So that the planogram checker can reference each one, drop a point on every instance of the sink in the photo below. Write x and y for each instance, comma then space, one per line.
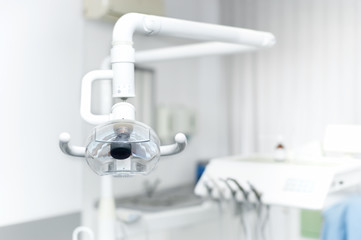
174, 213
173, 198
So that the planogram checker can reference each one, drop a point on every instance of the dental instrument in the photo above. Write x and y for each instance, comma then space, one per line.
241, 203
243, 191
232, 191
256, 193
208, 188
119, 145
258, 205
299, 182
237, 207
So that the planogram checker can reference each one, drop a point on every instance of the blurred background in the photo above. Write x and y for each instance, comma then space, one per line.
226, 105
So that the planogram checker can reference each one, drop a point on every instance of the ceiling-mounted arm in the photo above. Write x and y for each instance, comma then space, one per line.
190, 50
123, 54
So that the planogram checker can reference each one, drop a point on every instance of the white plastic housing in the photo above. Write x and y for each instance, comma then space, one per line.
123, 80
123, 110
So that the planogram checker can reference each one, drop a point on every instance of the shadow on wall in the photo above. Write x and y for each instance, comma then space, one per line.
58, 228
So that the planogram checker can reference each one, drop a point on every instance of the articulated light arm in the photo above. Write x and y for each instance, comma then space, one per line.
216, 39
190, 50
123, 55
228, 40
130, 23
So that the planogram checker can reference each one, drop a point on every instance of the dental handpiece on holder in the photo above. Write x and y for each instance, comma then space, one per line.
229, 188
245, 198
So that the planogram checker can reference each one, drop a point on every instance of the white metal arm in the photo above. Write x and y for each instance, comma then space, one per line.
74, 151
190, 50
123, 55
218, 40
181, 143
151, 25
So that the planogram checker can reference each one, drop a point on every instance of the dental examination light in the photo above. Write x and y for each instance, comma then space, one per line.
119, 145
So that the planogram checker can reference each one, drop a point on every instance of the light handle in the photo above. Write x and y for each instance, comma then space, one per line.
77, 151
86, 96
74, 151
179, 145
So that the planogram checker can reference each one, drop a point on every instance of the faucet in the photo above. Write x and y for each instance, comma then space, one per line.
151, 187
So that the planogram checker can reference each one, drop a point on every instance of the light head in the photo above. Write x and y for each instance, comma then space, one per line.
122, 148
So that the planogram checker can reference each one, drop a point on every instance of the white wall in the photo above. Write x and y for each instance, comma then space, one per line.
308, 80
40, 70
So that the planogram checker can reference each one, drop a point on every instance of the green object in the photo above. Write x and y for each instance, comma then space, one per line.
311, 223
